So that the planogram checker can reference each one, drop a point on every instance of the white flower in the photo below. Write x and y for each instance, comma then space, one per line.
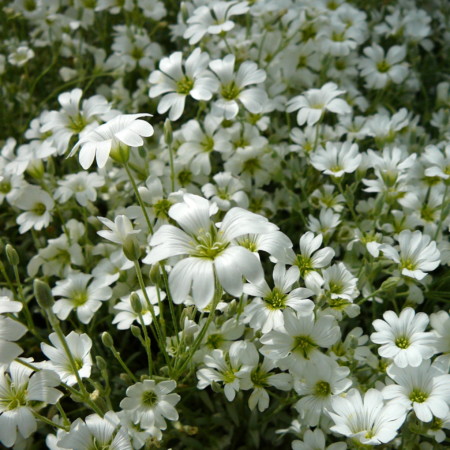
265, 312
177, 84
315, 440
151, 403
119, 230
10, 331
19, 392
259, 378
37, 205
312, 105
426, 389
210, 249
378, 69
326, 223
440, 322
310, 259
366, 419
227, 191
80, 294
96, 432
213, 19
125, 129
227, 368
126, 315
403, 337
301, 338
438, 162
339, 283
72, 118
337, 159
81, 185
80, 347
233, 87
418, 254
320, 381
20, 56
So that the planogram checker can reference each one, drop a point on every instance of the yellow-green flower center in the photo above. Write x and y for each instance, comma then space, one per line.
184, 86
230, 91
149, 398
418, 396
304, 345
276, 299
322, 389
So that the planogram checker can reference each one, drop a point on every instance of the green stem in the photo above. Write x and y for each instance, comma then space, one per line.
443, 207
122, 363
26, 310
147, 345
50, 422
201, 335
139, 198
159, 336
55, 324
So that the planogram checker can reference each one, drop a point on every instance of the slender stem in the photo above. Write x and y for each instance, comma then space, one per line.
172, 168
443, 207
63, 413
146, 345
201, 335
55, 324
159, 336
122, 363
26, 310
50, 422
139, 198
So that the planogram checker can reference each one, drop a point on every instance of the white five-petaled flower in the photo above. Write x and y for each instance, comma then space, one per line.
80, 347
119, 230
418, 254
176, 84
425, 388
150, 403
403, 338
211, 250
337, 159
265, 312
314, 102
378, 69
19, 389
213, 19
233, 87
123, 130
78, 293
96, 432
367, 419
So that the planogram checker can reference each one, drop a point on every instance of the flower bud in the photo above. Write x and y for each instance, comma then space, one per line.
155, 274
120, 153
136, 303
12, 255
131, 248
107, 340
136, 331
168, 133
390, 283
101, 363
43, 294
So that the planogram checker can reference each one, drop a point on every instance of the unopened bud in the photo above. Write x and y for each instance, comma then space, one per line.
12, 255
131, 248
43, 294
154, 274
390, 283
136, 331
120, 153
136, 303
107, 340
101, 363
168, 133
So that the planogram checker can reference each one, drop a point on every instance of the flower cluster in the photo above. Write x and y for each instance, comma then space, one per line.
225, 224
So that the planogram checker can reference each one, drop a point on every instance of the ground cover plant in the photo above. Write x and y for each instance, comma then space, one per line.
224, 224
